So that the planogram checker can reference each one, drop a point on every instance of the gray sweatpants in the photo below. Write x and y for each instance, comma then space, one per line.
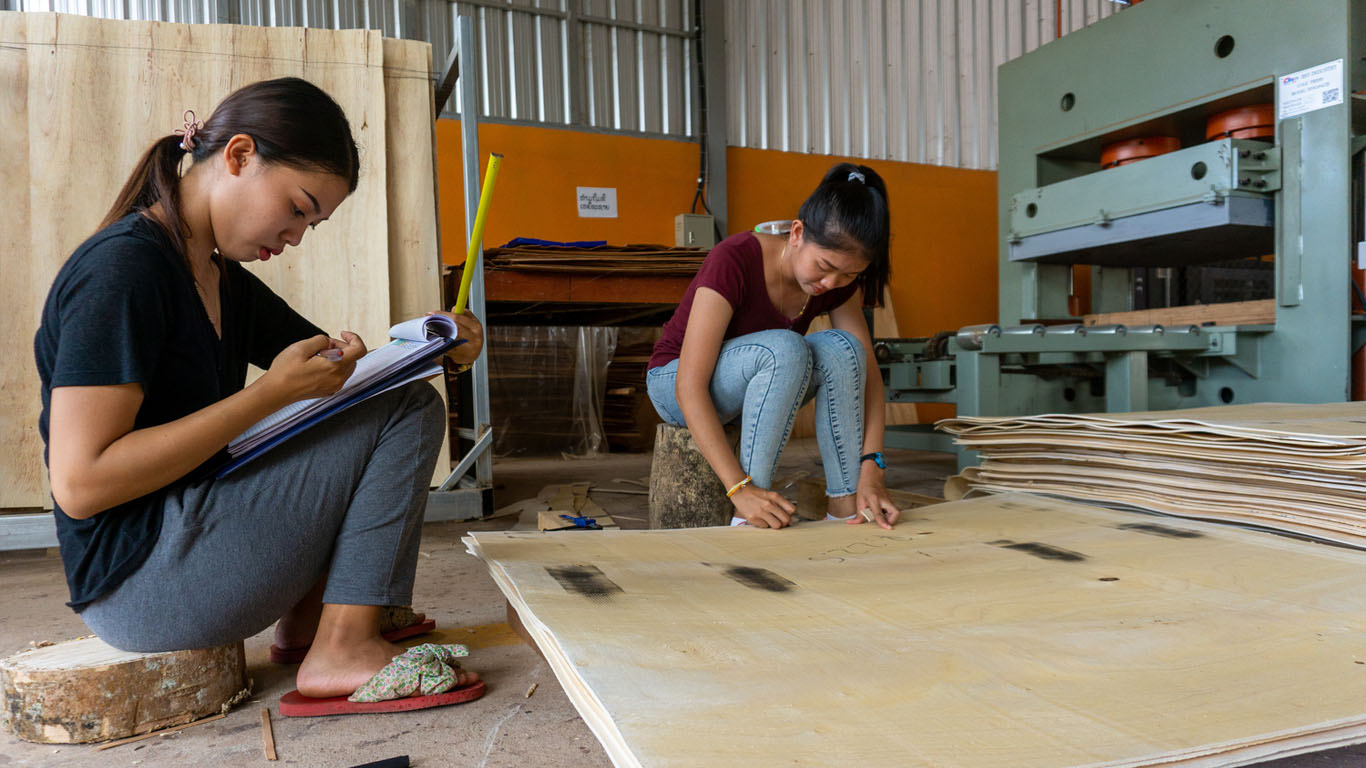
344, 500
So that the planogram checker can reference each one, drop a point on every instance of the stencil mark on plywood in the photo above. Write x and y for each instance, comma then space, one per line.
1041, 550
1161, 530
586, 580
758, 578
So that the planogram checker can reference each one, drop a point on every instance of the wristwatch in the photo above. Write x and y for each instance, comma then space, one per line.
876, 457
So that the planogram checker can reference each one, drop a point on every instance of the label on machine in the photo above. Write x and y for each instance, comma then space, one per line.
1309, 89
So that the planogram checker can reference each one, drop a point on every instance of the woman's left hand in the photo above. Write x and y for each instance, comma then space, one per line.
471, 330
873, 496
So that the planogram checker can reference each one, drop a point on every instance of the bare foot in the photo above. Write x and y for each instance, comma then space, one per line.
340, 670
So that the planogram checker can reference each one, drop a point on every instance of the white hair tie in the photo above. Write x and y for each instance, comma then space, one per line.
856, 176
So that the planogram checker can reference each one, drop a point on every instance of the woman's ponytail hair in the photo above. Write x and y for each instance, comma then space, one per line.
848, 212
293, 122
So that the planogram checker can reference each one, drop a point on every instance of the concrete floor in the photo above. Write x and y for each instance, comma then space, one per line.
504, 728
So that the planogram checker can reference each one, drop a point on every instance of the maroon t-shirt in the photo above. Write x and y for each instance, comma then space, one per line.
735, 269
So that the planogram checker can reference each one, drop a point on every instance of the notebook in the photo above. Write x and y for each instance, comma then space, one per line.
413, 354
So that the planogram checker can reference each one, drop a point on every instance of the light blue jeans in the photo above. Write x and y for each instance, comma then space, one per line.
763, 378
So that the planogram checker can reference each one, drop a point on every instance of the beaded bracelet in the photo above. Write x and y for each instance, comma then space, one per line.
735, 488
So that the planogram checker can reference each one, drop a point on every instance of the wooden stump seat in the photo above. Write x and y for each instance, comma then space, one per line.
85, 690
684, 491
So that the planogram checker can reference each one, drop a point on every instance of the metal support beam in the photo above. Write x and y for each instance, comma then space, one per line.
1126, 382
36, 531
448, 503
714, 108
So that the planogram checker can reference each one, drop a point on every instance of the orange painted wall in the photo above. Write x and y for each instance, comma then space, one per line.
535, 195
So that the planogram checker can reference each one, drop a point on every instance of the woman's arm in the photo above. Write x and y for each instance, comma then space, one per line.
872, 489
96, 460
702, 340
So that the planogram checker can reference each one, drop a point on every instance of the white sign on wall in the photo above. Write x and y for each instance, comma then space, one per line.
597, 202
1309, 89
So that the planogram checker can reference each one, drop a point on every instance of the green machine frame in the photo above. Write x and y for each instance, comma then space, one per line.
1162, 68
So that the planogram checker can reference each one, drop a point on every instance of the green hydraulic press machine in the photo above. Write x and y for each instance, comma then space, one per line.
1172, 136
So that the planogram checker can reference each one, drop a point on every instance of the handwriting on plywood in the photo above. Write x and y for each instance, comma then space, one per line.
868, 546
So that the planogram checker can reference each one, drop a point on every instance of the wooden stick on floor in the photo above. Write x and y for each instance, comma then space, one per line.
267, 734
162, 732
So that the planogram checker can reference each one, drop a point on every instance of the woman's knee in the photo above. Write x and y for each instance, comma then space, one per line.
786, 351
838, 352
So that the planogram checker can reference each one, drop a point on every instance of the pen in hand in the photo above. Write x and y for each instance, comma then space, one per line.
335, 355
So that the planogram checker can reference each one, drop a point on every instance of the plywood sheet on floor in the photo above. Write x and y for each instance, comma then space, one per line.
1005, 631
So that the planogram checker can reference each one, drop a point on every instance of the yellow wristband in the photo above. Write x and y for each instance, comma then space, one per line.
735, 488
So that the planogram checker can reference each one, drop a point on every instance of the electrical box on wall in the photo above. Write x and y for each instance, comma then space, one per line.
692, 230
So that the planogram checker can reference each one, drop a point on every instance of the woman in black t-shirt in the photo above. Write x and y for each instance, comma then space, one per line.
143, 351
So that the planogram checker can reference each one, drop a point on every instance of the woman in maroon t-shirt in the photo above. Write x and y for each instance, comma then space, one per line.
737, 348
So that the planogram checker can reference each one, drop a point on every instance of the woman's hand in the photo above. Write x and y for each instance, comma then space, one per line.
873, 496
471, 331
762, 508
301, 370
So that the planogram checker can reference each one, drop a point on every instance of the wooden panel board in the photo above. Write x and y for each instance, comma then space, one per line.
21, 482
93, 95
1232, 313
414, 264
1008, 631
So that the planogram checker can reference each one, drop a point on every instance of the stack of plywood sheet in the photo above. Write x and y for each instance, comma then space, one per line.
1008, 631
657, 260
83, 98
1299, 469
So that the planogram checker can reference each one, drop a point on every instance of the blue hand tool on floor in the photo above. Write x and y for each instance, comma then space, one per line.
586, 523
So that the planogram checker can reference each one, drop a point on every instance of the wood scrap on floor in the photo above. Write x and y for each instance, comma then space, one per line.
267, 735
163, 732
1298, 469
986, 633
543, 512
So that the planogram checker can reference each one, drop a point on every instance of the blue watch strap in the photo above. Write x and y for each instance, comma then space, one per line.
876, 457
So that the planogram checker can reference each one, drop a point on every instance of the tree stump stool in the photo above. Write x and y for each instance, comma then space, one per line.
684, 491
85, 690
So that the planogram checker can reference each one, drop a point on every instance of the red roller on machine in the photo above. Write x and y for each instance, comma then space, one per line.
1133, 150
1255, 122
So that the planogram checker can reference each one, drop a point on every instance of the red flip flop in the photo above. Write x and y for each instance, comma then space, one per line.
280, 655
295, 704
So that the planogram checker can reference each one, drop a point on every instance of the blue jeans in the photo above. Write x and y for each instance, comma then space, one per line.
763, 378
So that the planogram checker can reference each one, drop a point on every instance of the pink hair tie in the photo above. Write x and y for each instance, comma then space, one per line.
191, 128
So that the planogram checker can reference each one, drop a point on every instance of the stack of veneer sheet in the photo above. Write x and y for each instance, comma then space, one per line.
654, 260
1298, 469
1010, 631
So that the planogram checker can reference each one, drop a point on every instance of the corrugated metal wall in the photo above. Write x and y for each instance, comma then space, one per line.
630, 59
911, 80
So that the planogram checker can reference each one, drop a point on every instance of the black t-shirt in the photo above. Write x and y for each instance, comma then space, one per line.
124, 309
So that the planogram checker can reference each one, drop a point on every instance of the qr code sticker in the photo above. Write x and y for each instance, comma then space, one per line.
1330, 95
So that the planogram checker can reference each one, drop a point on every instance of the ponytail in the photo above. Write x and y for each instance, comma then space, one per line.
848, 212
155, 179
